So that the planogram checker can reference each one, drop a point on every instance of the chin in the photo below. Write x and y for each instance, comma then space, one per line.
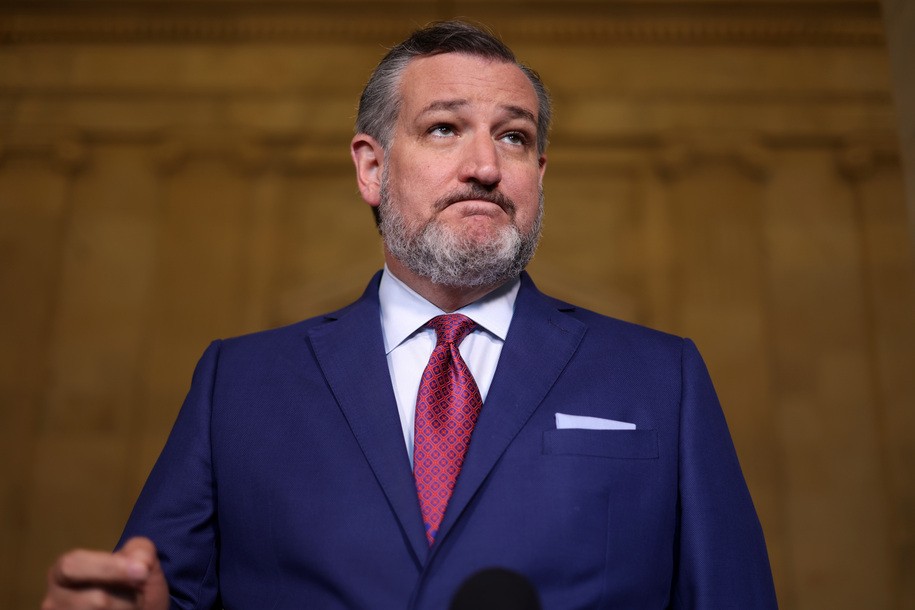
483, 224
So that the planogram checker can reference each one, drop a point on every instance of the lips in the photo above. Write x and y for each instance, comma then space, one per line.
477, 194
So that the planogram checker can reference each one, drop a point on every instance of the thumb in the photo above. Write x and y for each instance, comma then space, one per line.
143, 563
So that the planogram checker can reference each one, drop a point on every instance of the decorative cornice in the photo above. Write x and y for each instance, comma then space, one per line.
626, 22
70, 155
66, 151
247, 152
859, 159
675, 157
671, 156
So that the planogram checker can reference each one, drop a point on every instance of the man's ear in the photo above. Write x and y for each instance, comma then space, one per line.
368, 157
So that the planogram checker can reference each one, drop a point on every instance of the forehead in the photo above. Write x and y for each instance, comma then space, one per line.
471, 79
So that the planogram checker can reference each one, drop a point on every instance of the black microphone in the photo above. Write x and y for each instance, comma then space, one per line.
496, 589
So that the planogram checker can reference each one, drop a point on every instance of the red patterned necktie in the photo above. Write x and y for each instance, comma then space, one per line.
446, 410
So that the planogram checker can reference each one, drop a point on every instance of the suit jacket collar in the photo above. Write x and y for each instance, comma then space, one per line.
350, 351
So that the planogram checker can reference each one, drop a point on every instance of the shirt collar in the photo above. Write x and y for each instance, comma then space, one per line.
403, 311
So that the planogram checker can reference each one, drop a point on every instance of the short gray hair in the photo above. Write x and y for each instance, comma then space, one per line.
379, 104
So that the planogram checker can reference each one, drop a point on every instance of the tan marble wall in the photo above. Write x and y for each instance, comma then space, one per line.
175, 172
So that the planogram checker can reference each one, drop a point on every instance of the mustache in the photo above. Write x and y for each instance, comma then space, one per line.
475, 191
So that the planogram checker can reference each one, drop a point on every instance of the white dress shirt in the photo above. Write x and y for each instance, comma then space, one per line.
408, 343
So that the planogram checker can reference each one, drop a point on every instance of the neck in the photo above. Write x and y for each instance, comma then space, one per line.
446, 298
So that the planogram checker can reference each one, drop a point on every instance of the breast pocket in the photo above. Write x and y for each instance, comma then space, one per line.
616, 444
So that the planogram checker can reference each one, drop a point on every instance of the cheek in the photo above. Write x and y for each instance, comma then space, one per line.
525, 192
422, 179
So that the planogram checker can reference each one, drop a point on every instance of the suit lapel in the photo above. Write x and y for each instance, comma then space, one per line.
540, 342
350, 352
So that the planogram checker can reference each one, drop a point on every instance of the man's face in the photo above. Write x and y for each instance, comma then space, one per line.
461, 197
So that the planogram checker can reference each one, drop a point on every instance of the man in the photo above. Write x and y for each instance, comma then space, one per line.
380, 455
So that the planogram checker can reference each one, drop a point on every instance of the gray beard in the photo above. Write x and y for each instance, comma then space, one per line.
445, 257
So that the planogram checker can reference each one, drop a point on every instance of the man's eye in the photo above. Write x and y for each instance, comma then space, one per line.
516, 138
442, 130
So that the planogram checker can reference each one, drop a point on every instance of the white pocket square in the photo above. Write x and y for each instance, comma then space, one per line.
584, 422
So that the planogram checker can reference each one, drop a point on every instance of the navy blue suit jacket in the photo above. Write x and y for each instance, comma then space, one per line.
286, 484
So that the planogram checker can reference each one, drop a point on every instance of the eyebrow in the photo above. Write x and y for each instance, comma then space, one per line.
451, 105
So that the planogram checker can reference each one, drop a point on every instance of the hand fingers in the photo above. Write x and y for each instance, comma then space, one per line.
82, 567
129, 578
82, 598
154, 592
140, 551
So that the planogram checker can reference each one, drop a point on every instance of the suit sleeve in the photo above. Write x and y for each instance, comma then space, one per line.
721, 553
177, 507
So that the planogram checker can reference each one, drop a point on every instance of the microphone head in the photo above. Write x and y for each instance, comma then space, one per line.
496, 589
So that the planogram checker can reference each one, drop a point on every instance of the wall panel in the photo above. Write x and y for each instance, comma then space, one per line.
171, 173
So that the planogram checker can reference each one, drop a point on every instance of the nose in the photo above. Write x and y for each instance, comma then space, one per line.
481, 162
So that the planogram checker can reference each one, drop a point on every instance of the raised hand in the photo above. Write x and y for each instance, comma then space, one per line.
130, 579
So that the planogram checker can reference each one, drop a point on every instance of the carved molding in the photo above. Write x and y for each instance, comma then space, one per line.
66, 152
858, 160
70, 155
676, 156
623, 22
670, 156
250, 153
169, 155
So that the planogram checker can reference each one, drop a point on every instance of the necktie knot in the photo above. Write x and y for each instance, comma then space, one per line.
451, 328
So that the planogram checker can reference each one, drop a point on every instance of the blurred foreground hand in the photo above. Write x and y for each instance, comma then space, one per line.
130, 579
